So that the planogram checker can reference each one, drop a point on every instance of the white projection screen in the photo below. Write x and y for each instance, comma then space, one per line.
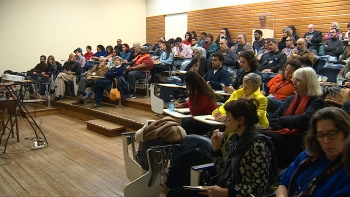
175, 25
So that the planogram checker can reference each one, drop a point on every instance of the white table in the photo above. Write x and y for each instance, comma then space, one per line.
176, 114
170, 85
204, 119
221, 92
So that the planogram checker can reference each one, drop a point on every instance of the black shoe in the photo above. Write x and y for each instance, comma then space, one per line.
57, 98
79, 102
131, 96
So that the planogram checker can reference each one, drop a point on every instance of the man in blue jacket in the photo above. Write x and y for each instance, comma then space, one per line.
218, 76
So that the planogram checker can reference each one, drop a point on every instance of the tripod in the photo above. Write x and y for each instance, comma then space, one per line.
40, 142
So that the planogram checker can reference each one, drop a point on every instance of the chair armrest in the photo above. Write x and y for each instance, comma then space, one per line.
202, 167
196, 173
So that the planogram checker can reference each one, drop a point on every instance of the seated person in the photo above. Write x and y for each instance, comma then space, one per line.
272, 61
339, 35
87, 81
242, 45
102, 84
142, 62
249, 64
291, 120
182, 55
281, 86
346, 155
286, 33
249, 167
88, 53
319, 170
201, 101
346, 74
250, 89
101, 51
70, 68
346, 55
79, 57
52, 69
313, 38
290, 47
303, 54
125, 53
209, 45
217, 77
162, 64
199, 62
229, 54
333, 46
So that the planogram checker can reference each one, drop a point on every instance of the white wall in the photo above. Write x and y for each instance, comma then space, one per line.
165, 7
173, 31
57, 27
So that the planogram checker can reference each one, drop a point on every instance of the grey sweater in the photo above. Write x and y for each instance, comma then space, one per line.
333, 47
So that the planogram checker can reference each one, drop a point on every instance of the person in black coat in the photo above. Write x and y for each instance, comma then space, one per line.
291, 120
199, 63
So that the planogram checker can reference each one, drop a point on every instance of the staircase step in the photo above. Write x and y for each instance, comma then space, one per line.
105, 128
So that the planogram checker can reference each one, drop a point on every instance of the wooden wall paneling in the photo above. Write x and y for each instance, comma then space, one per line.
243, 18
155, 28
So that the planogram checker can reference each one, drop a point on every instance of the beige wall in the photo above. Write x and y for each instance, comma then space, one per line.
29, 28
166, 7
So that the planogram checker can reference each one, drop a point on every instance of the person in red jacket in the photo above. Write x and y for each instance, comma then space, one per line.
201, 101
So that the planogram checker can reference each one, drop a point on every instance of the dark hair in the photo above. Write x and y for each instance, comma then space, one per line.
167, 49
194, 33
227, 32
8, 71
211, 37
218, 55
116, 50
197, 85
203, 33
259, 32
171, 41
336, 30
346, 155
296, 64
100, 46
195, 39
348, 25
250, 57
293, 29
43, 57
273, 40
110, 48
246, 108
189, 36
340, 119
178, 39
127, 47
89, 47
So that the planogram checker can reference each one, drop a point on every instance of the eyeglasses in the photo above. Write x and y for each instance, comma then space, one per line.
332, 32
288, 40
332, 135
214, 60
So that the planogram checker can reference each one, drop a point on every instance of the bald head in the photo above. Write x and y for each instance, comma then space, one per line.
311, 28
301, 44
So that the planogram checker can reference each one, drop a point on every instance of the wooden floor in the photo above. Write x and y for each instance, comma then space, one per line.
78, 162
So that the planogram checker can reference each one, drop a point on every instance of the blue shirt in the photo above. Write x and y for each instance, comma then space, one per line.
164, 60
338, 184
102, 53
125, 56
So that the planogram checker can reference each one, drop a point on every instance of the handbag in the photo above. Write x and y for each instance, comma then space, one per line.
114, 93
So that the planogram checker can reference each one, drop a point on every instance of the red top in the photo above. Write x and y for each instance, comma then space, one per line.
203, 105
280, 89
88, 55
187, 42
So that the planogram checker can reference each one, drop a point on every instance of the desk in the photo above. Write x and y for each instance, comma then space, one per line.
176, 114
334, 66
180, 72
203, 118
170, 85
221, 92
330, 84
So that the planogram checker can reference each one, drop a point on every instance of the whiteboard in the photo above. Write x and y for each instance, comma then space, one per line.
175, 26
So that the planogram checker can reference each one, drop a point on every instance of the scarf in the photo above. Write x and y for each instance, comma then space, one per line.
139, 59
297, 107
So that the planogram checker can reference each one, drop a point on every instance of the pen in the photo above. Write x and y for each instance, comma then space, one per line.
177, 101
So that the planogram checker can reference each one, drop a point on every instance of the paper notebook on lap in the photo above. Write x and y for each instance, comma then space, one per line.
198, 188
210, 117
183, 110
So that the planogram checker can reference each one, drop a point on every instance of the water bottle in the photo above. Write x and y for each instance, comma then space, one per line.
340, 78
171, 105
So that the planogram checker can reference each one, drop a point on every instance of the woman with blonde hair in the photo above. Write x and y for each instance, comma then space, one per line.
290, 121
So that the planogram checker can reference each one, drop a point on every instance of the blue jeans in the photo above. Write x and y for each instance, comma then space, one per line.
272, 105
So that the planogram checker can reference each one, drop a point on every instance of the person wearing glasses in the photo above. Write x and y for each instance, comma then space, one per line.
313, 37
218, 76
286, 32
290, 47
290, 121
333, 47
320, 169
224, 34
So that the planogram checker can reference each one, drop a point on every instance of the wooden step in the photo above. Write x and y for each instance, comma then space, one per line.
105, 128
